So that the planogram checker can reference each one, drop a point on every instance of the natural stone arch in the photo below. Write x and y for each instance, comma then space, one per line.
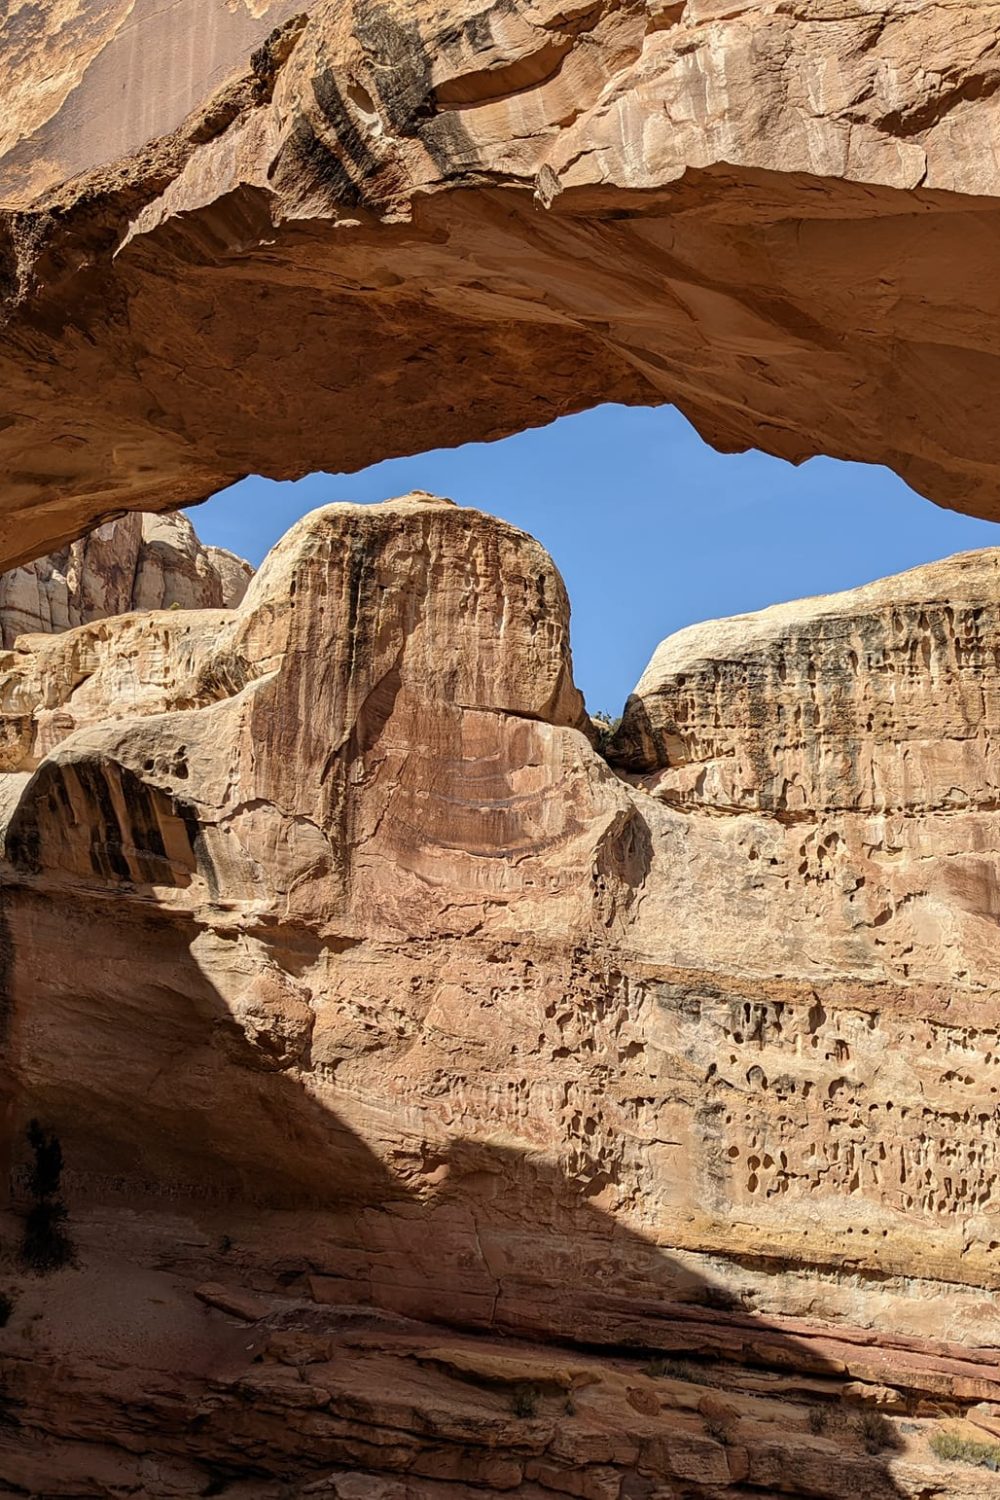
389, 228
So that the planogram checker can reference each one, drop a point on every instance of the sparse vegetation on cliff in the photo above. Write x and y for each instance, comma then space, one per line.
718, 1431
671, 1369
606, 727
524, 1401
954, 1448
46, 1245
876, 1432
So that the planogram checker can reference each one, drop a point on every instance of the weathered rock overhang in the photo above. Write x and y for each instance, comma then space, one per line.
371, 230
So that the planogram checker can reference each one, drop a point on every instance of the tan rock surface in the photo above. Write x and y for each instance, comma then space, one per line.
391, 997
385, 227
379, 1409
137, 562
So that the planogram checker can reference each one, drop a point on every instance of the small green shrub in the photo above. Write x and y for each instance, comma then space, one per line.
524, 1400
46, 1245
875, 1432
607, 728
954, 1448
718, 1430
819, 1420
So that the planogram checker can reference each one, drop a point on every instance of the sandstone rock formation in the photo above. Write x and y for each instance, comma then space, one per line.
309, 234
392, 1005
137, 562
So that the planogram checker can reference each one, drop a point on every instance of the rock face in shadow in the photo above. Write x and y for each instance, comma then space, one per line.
139, 562
391, 1005
248, 236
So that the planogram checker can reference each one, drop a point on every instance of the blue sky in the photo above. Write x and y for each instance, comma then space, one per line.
650, 528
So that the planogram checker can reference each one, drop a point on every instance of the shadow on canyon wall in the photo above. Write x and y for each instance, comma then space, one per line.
118, 1042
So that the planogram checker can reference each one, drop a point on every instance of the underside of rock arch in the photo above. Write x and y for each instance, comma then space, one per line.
285, 237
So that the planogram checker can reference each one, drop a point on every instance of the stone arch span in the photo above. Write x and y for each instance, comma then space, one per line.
330, 233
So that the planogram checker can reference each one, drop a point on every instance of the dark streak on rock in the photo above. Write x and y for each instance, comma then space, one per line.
322, 164
201, 859
401, 68
341, 122
6, 976
119, 848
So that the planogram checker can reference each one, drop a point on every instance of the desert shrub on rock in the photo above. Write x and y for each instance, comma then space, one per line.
46, 1245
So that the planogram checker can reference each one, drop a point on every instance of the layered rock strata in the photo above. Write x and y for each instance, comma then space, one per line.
448, 223
393, 1005
139, 562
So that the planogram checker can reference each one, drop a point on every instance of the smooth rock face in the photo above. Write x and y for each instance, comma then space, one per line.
244, 236
139, 562
391, 999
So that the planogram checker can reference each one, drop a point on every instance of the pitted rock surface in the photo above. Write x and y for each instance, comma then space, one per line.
391, 999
